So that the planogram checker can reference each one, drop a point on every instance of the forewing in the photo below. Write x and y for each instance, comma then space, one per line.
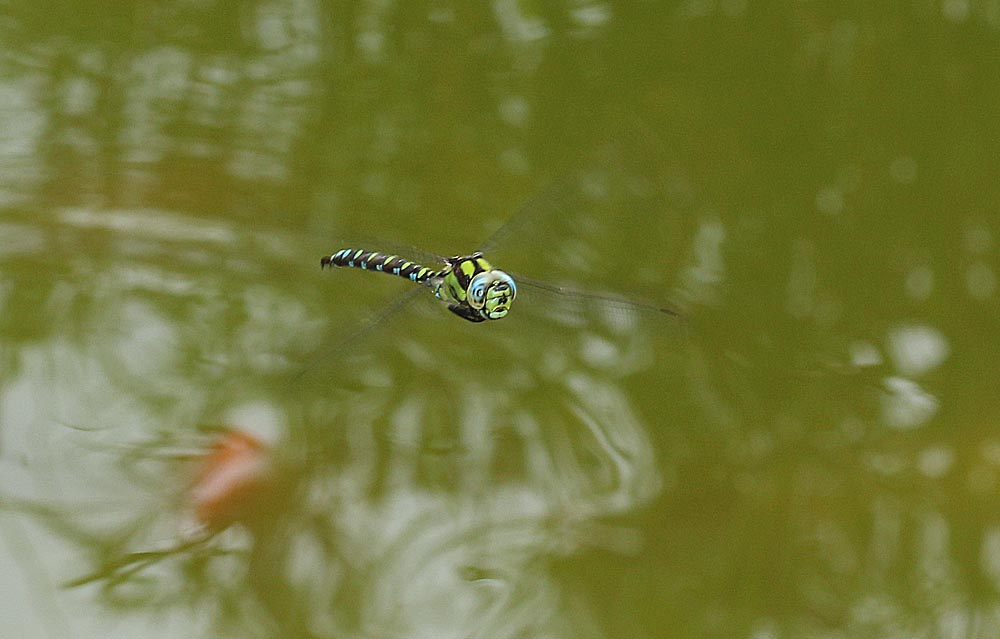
575, 306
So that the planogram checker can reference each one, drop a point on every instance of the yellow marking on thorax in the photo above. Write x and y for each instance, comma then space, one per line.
468, 268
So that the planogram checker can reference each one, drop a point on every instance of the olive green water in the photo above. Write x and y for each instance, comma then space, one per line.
812, 452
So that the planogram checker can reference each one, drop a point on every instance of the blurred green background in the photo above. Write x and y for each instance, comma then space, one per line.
812, 452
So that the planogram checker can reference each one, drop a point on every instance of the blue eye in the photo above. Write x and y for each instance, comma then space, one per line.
477, 289
492, 291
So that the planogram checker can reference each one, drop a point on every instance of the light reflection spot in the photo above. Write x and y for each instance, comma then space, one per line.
920, 283
887, 464
518, 24
441, 15
935, 461
594, 15
917, 349
765, 629
978, 238
980, 281
514, 110
991, 452
906, 405
371, 42
708, 267
79, 97
830, 201
599, 352
515, 161
955, 10
864, 354
696, 9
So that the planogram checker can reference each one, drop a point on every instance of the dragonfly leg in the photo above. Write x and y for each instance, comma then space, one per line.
466, 312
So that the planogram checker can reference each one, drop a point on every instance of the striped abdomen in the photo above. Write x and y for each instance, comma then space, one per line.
375, 261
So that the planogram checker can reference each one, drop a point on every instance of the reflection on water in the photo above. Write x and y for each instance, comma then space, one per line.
419, 479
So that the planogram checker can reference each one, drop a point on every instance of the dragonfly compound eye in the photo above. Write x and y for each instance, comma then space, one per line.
491, 293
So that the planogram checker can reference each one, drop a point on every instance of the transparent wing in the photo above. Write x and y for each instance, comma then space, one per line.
361, 330
602, 299
565, 206
357, 333
572, 226
557, 200
576, 306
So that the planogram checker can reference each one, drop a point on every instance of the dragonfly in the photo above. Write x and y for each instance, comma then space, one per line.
472, 288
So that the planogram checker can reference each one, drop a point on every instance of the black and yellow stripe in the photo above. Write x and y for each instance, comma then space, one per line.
375, 261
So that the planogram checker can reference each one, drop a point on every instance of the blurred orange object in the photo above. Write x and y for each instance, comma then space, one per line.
231, 480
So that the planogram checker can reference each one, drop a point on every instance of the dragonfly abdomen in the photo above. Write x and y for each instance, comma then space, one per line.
375, 261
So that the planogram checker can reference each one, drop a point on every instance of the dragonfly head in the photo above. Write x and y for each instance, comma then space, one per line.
491, 293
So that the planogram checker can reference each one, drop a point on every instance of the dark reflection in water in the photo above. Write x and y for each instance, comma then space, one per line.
416, 482
812, 454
